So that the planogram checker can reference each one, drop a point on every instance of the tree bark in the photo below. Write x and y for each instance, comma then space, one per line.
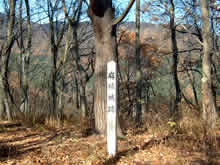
56, 36
175, 56
25, 58
76, 93
208, 104
138, 66
83, 101
4, 59
82, 75
101, 14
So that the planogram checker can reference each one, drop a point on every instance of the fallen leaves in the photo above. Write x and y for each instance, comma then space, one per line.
66, 147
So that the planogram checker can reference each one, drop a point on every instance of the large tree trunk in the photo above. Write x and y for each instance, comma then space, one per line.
175, 56
208, 104
101, 14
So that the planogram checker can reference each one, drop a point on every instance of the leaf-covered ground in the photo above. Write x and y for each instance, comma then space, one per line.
70, 145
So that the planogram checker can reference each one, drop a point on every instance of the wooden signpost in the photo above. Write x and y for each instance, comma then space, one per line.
112, 108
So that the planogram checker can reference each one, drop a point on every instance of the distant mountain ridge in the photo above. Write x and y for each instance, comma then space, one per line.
130, 26
158, 34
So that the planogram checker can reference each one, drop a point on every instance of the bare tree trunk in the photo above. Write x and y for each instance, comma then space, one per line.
56, 36
101, 14
64, 66
76, 93
4, 96
191, 78
2, 110
4, 59
53, 73
83, 101
215, 54
81, 75
25, 58
147, 103
175, 56
20, 44
208, 104
53, 87
138, 66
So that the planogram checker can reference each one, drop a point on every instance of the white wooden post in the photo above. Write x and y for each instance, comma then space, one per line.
112, 108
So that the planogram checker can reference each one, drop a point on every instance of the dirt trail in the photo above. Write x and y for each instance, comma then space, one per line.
24, 146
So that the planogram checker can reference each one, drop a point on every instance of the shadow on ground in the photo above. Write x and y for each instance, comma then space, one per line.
29, 142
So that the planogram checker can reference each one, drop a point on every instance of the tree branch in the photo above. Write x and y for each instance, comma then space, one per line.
119, 19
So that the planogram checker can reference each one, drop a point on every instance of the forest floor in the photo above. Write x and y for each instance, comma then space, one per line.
70, 145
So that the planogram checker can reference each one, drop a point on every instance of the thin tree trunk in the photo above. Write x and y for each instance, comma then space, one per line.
53, 114
74, 48
53, 86
4, 59
4, 96
83, 101
22, 50
147, 104
194, 92
63, 65
56, 36
138, 66
175, 57
2, 110
208, 104
25, 61
76, 94
191, 78
215, 56
53, 73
